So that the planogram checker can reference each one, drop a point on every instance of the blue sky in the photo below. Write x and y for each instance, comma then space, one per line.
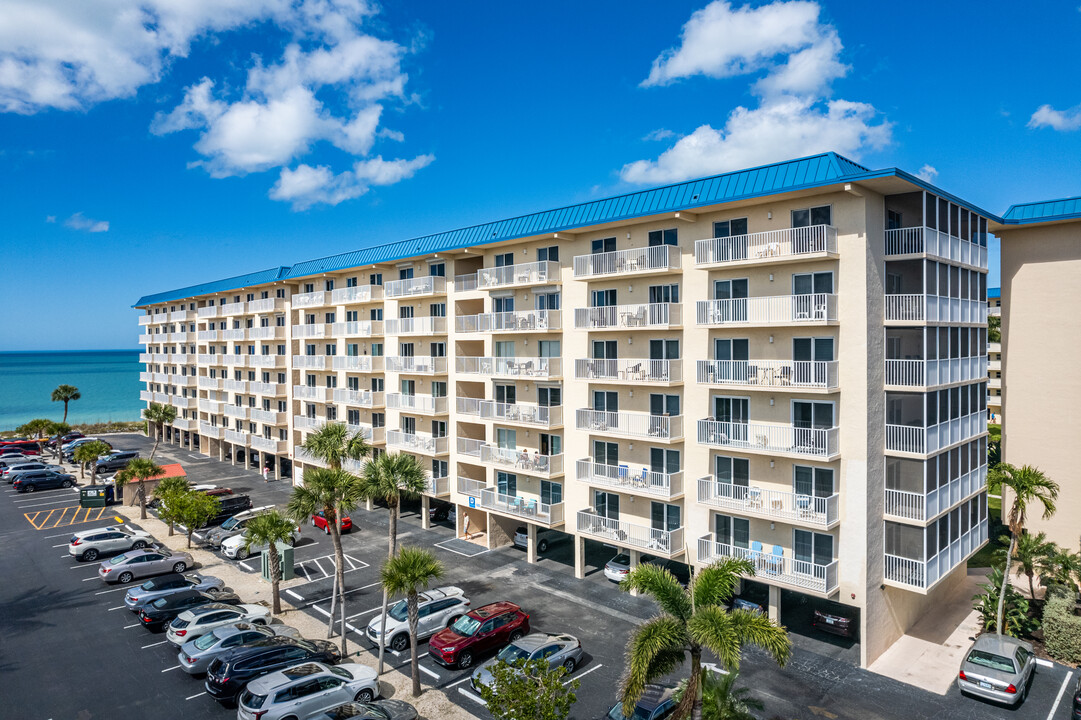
194, 140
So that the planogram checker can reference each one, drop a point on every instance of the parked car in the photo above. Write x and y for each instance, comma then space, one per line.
233, 526
228, 507
161, 612
198, 621
15, 458
656, 703
196, 655
228, 673
376, 710
35, 480
439, 511
165, 585
439, 608
68, 451
87, 545
306, 690
144, 563
619, 567
114, 461
233, 547
211, 490
997, 668
64, 439
835, 618
545, 538
319, 520
15, 469
563, 650
480, 631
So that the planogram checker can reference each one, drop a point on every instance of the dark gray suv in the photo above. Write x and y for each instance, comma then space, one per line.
114, 461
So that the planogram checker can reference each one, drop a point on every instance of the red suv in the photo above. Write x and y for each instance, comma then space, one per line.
319, 520
482, 630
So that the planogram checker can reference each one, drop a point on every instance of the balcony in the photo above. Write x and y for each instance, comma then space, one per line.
208, 335
645, 316
234, 360
357, 294
470, 447
266, 361
470, 487
630, 424
771, 568
147, 357
437, 486
182, 423
417, 442
210, 311
928, 373
309, 299
359, 363
513, 367
771, 438
266, 305
210, 405
308, 422
147, 338
366, 432
624, 370
636, 261
425, 325
146, 396
803, 243
360, 328
234, 308
662, 543
521, 275
267, 445
267, 417
521, 461
161, 398
801, 375
910, 242
209, 383
517, 413
272, 389
237, 438
755, 501
921, 507
208, 359
310, 331
240, 386
518, 321
210, 431
922, 575
358, 398
917, 308
270, 332
146, 319
311, 392
425, 404
636, 482
539, 513
414, 287
233, 334
179, 401
465, 283
235, 411
416, 365
147, 377
817, 309
310, 362
924, 441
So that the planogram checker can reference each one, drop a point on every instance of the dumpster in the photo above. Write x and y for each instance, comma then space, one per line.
96, 496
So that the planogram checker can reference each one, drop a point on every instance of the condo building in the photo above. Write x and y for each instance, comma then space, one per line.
786, 364
994, 362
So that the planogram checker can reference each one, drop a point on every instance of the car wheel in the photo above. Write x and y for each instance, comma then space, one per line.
30, 488
1024, 693
89, 555
241, 554
516, 635
180, 567
258, 621
364, 696
125, 577
399, 642
66, 484
138, 545
465, 659
568, 665
542, 546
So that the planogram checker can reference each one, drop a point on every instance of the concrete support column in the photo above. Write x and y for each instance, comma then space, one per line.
531, 543
369, 505
579, 557
425, 518
636, 557
277, 468
232, 455
221, 450
775, 603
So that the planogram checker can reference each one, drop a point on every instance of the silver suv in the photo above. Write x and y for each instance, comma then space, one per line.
233, 526
439, 608
89, 544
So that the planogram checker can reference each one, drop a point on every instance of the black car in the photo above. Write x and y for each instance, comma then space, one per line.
375, 710
162, 611
836, 619
42, 480
115, 461
229, 673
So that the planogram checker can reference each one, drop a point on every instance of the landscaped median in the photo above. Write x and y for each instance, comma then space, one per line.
250, 586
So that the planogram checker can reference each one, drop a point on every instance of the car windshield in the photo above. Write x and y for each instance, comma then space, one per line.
148, 585
160, 602
512, 653
206, 641
466, 626
119, 559
990, 660
400, 611
621, 560
339, 672
230, 523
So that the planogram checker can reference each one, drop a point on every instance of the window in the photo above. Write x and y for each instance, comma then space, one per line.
549, 396
663, 516
605, 453
375, 279
606, 504
547, 301
329, 318
548, 348
551, 492
603, 245
309, 287
437, 309
280, 293
548, 253
660, 404
437, 269
663, 237
504, 259
732, 531
440, 468
730, 228
812, 547
732, 471
663, 460
812, 283
821, 215
405, 273
813, 481
664, 293
603, 298
506, 483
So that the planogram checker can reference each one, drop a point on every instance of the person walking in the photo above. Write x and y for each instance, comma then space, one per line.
266, 473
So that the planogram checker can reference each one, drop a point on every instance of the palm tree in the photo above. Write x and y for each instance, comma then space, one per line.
334, 493
721, 699
691, 620
141, 469
58, 430
87, 453
391, 477
405, 573
334, 442
269, 529
159, 415
36, 427
1028, 485
1060, 566
65, 394
1028, 553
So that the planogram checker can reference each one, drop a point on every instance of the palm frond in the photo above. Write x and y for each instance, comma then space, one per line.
725, 633
334, 442
324, 490
716, 584
267, 529
651, 650
392, 477
410, 570
662, 586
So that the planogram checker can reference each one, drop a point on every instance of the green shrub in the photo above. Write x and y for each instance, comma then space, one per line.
1061, 628
1017, 621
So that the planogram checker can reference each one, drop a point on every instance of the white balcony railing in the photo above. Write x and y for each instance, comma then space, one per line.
925, 240
209, 383
656, 258
769, 373
146, 396
629, 370
470, 487
778, 310
309, 422
262, 388
934, 308
182, 423
758, 501
417, 403
922, 574
418, 442
232, 334
266, 305
267, 445
630, 424
534, 273
919, 440
208, 335
311, 392
210, 431
310, 362
517, 413
309, 299
416, 365
632, 480
267, 417
536, 511
517, 321
209, 311
776, 438
522, 460
771, 245
179, 401
512, 367
629, 317
465, 283
360, 328
356, 294
470, 447
235, 411
359, 363
310, 331
667, 543
235, 360
238, 386
360, 398
468, 405
146, 319
267, 360
233, 308
430, 285
780, 568
266, 333
926, 373
437, 486
424, 325
237, 438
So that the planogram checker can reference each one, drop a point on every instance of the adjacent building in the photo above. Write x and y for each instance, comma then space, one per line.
994, 361
786, 364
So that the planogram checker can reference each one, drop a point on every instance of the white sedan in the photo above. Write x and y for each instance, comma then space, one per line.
233, 547
198, 621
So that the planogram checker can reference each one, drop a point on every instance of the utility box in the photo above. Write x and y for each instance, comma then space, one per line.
285, 555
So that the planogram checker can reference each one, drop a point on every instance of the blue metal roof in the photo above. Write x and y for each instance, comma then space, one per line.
994, 292
1043, 211
233, 283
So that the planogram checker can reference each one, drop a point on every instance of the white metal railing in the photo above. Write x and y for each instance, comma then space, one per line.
309, 299
266, 305
208, 335
146, 357
517, 321
146, 377
424, 325
157, 377
262, 388
471, 487
237, 437
470, 446
776, 310
668, 543
178, 315
465, 283
509, 366
925, 240
430, 285
207, 359
468, 405
360, 328
146, 338
233, 308
240, 386
523, 413
161, 398
360, 363
542, 271
920, 440
418, 442
311, 392
770, 565
643, 315
924, 574
915, 307
437, 486
184, 424
769, 373
362, 398
418, 364
146, 319
211, 431
772, 244
629, 370
208, 383
266, 360
356, 294
636, 480
770, 437
654, 258
366, 432
765, 502
310, 331
306, 422
205, 312
925, 373
417, 403
310, 362
522, 460
267, 445
267, 417
232, 334
266, 333
182, 402
146, 396
210, 405
630, 424
539, 512
235, 360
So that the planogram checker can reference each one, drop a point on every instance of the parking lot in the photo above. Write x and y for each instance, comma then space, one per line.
63, 628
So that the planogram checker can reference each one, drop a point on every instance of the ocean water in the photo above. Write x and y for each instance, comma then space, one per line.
107, 379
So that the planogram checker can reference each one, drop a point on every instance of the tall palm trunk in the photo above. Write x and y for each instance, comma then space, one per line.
1031, 586
65, 420
393, 506
1000, 618
339, 561
414, 619
694, 682
158, 432
275, 574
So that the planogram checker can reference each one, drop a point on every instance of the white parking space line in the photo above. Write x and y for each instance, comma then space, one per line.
293, 595
174, 667
83, 566
61, 545
144, 647
118, 607
92, 577
1058, 698
192, 697
471, 696
428, 672
365, 612
316, 561
25, 503
459, 682
347, 592
102, 592
1044, 663
347, 624
246, 566
129, 627
582, 675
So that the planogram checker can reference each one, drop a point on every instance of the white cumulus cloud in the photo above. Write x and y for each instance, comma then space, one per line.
1061, 120
80, 222
927, 173
306, 185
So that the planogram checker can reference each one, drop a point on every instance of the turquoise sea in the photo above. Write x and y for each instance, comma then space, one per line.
107, 379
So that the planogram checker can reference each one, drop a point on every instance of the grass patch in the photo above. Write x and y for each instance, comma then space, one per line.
985, 555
